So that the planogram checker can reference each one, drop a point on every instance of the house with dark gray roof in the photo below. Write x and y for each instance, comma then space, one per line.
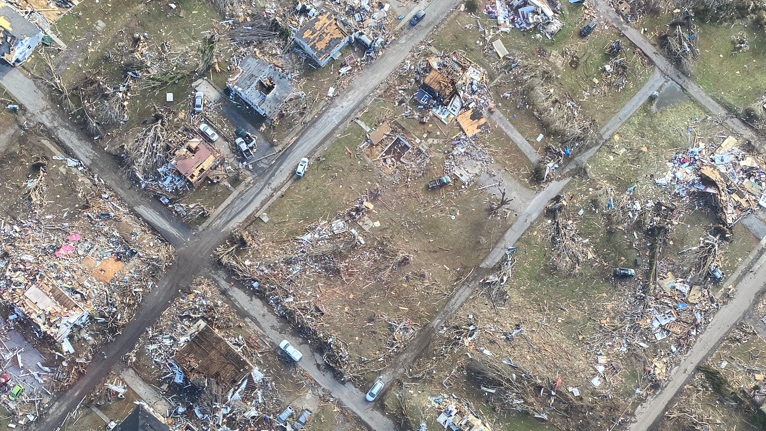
261, 85
18, 37
140, 419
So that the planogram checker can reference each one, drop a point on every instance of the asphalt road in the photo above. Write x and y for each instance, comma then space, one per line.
533, 210
749, 281
193, 250
277, 330
668, 69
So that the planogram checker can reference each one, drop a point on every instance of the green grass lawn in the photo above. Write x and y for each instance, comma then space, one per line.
735, 80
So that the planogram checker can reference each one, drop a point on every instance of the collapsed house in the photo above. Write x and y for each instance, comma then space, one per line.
141, 419
18, 37
261, 85
322, 38
457, 415
525, 15
50, 310
208, 355
195, 160
451, 83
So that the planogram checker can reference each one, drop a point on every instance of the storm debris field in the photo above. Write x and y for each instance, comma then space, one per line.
651, 242
200, 365
76, 263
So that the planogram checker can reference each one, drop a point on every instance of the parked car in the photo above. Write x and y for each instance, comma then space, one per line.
301, 170
417, 17
282, 418
588, 29
302, 420
291, 351
209, 132
624, 272
374, 391
246, 153
198, 97
439, 182
15, 392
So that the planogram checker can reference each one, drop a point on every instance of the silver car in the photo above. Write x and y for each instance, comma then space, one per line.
209, 132
198, 97
301, 170
374, 391
291, 351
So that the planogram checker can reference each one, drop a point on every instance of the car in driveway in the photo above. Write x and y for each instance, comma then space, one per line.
208, 132
291, 351
300, 171
417, 17
242, 146
198, 98
374, 391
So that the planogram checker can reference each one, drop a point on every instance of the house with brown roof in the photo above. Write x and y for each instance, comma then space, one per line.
18, 37
321, 38
195, 160
208, 355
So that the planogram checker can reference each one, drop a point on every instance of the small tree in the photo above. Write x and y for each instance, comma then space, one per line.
471, 6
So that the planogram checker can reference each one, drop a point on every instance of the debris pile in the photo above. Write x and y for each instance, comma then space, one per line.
730, 178
98, 264
457, 413
680, 41
568, 248
299, 279
526, 15
202, 359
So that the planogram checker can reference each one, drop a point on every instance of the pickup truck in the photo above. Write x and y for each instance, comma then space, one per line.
248, 138
439, 182
246, 152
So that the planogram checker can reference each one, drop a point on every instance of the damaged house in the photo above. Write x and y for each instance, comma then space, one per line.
49, 309
451, 83
321, 38
525, 15
18, 37
195, 160
207, 355
261, 85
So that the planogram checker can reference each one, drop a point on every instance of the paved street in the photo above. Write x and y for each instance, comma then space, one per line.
715, 108
750, 281
193, 250
534, 208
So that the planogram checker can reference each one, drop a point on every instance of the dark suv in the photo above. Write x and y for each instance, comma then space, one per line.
417, 18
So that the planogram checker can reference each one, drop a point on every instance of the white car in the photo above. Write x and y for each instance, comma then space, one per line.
301, 170
290, 350
209, 132
198, 96
374, 391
